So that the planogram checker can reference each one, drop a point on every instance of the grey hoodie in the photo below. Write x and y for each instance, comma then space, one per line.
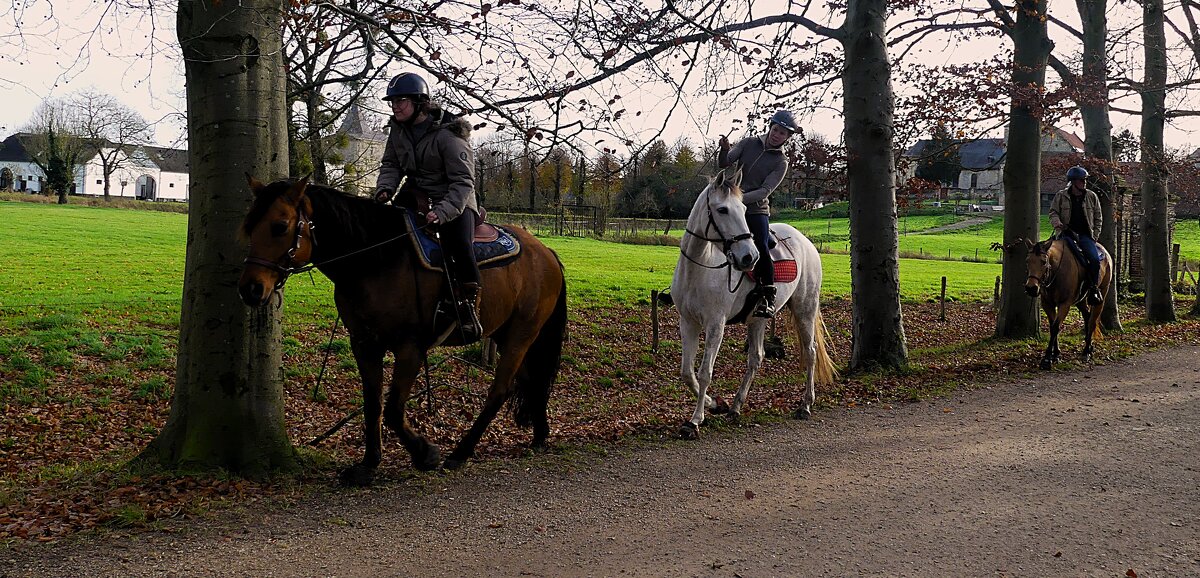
762, 170
436, 157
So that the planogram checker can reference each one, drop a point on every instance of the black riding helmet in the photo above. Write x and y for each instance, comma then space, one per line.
407, 85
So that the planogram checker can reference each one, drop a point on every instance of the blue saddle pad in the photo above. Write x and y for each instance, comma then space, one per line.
487, 253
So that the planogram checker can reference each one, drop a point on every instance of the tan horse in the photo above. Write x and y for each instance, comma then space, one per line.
1058, 277
389, 303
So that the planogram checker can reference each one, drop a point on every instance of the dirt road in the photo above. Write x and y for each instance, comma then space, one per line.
1090, 473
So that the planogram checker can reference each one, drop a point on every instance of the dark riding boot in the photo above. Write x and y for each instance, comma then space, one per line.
1093, 296
766, 301
468, 314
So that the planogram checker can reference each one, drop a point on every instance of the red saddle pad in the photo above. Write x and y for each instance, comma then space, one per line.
785, 272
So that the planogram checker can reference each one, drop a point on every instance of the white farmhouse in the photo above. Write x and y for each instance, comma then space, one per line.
147, 172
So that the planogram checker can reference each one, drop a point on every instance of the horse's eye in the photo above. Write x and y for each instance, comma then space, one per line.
278, 229
723, 210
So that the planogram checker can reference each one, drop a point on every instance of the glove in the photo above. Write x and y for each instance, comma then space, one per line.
724, 143
382, 196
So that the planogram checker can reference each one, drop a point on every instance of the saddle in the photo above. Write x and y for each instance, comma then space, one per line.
782, 257
494, 245
1076, 251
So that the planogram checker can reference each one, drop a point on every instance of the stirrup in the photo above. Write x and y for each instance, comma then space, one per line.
468, 321
766, 302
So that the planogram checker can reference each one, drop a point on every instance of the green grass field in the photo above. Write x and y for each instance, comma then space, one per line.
113, 262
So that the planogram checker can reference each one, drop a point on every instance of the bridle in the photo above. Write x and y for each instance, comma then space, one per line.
1047, 277
726, 242
286, 264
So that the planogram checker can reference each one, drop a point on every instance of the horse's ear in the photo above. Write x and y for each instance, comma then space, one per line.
256, 186
1029, 245
736, 179
296, 192
719, 180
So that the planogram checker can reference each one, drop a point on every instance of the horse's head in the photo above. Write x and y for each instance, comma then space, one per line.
280, 234
727, 220
1039, 267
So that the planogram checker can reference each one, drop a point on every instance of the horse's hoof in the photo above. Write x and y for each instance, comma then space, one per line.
1087, 358
803, 413
429, 461
719, 407
454, 464
1045, 364
357, 476
689, 431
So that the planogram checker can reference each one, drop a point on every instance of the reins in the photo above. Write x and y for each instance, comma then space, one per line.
726, 243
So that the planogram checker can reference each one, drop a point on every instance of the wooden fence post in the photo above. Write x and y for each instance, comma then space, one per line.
943, 316
1174, 263
654, 320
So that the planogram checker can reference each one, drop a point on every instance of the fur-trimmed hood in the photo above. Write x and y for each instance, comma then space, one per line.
458, 125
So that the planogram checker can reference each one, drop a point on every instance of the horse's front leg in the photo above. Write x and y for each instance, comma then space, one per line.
369, 356
714, 333
425, 456
1056, 315
755, 331
689, 334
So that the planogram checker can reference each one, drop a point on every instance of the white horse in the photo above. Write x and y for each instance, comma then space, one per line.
710, 288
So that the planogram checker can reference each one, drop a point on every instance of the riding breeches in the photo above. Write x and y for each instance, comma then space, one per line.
457, 236
1088, 248
760, 228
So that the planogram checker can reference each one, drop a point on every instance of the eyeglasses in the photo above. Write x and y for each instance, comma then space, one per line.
401, 100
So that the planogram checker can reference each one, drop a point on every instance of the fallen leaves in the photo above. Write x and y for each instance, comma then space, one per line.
58, 450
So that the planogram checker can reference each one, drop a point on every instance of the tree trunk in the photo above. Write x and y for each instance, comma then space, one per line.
316, 146
1156, 262
1097, 135
228, 411
1018, 316
878, 326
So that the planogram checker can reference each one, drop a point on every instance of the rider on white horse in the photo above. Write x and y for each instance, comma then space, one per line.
763, 167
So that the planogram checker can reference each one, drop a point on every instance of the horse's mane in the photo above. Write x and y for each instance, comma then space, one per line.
361, 219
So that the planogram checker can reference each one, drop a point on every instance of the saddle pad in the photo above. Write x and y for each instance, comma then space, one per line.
487, 253
785, 271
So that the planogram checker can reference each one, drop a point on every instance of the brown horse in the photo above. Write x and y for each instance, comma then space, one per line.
388, 302
1059, 278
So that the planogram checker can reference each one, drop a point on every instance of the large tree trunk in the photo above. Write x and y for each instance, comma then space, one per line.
1156, 262
1097, 134
227, 411
316, 145
878, 326
1018, 316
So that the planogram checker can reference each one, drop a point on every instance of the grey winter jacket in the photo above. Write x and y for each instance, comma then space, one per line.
762, 170
438, 163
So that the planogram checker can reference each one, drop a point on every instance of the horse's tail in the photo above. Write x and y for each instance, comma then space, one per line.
540, 366
825, 372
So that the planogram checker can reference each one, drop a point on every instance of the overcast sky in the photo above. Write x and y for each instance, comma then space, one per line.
56, 53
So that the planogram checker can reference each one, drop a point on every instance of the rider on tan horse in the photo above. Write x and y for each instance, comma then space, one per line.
1076, 217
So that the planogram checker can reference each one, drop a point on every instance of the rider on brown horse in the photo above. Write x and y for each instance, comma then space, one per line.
1076, 217
763, 166
431, 150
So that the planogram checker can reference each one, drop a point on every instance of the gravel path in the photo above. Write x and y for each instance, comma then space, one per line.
1088, 473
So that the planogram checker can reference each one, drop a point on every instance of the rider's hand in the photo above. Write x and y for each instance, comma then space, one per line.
431, 218
383, 196
723, 143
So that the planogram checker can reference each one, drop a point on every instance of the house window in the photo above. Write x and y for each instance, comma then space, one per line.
99, 182
170, 185
974, 180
